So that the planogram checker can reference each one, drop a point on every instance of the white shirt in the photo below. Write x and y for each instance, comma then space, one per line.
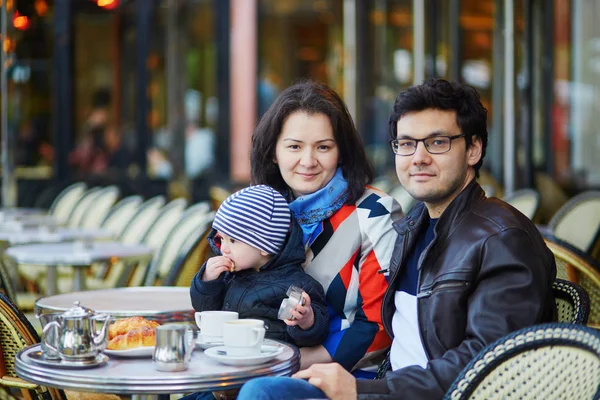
407, 348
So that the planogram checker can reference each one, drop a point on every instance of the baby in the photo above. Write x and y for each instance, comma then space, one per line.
259, 255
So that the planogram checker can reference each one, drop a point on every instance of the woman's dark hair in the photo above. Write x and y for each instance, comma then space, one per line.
312, 98
471, 115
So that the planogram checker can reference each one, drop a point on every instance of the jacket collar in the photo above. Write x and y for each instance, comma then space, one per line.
471, 195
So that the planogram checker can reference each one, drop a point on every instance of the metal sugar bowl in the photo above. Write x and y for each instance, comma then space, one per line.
72, 336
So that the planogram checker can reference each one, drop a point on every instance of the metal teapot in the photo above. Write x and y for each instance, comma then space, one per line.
73, 335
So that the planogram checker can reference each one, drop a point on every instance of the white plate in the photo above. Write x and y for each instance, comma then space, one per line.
145, 351
268, 352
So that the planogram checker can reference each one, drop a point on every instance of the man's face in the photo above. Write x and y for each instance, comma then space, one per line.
435, 179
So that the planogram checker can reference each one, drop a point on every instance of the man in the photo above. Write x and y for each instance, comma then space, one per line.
466, 270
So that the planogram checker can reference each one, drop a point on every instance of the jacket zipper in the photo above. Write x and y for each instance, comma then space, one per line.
419, 314
387, 293
427, 293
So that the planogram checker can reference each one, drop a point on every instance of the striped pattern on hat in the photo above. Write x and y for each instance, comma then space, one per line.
257, 215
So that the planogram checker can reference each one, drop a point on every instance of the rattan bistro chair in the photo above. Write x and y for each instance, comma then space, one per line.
63, 205
578, 221
83, 206
99, 208
190, 227
575, 266
16, 333
526, 201
547, 361
572, 302
194, 253
572, 306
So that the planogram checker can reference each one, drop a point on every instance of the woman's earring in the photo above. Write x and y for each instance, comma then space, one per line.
274, 161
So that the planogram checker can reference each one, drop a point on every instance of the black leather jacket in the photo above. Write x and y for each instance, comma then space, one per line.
259, 294
486, 273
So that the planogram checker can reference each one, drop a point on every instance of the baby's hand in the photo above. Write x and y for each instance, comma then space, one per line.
303, 316
215, 266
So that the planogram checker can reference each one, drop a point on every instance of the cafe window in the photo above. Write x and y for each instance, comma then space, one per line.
576, 101
183, 90
28, 47
389, 59
298, 39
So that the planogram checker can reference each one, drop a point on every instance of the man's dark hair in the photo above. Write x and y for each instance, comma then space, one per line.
312, 98
471, 115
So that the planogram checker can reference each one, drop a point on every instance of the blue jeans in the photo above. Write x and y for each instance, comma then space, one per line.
275, 388
199, 396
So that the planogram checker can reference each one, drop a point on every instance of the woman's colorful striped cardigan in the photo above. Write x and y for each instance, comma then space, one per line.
354, 244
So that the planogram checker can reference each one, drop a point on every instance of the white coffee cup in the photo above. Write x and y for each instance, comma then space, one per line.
211, 323
243, 337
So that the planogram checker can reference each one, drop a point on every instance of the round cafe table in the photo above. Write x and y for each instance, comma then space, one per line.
44, 235
160, 303
18, 212
138, 376
18, 222
79, 255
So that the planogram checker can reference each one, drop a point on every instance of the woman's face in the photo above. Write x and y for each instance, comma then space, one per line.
306, 152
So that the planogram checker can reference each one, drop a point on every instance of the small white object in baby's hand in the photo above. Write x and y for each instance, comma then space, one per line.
287, 305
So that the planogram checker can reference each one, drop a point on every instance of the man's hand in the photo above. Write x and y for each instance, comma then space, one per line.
303, 316
332, 379
215, 266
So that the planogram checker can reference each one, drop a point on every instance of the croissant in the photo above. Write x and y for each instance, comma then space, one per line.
140, 337
125, 325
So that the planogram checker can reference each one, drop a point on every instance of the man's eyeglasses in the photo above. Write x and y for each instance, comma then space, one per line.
434, 145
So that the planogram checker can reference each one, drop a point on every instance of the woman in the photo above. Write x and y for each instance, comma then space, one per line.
307, 147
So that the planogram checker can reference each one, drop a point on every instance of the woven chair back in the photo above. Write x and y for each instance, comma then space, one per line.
527, 201
6, 281
141, 222
572, 302
16, 333
189, 228
547, 361
156, 236
578, 221
100, 207
64, 203
121, 213
577, 267
166, 220
119, 273
83, 206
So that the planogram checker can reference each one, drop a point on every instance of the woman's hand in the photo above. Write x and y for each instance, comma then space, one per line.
215, 266
303, 316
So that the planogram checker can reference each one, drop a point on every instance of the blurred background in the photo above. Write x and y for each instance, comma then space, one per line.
162, 96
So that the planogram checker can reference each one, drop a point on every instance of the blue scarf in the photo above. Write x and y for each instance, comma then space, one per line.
310, 210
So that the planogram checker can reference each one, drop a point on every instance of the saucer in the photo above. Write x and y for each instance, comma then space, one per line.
38, 358
201, 343
267, 353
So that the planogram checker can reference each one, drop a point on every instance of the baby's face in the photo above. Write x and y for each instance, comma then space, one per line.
243, 255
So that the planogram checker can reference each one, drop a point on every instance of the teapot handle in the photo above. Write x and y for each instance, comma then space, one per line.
50, 337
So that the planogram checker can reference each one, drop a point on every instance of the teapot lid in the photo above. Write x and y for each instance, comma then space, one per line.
78, 311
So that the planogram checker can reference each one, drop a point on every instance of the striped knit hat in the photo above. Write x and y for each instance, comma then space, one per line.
257, 215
